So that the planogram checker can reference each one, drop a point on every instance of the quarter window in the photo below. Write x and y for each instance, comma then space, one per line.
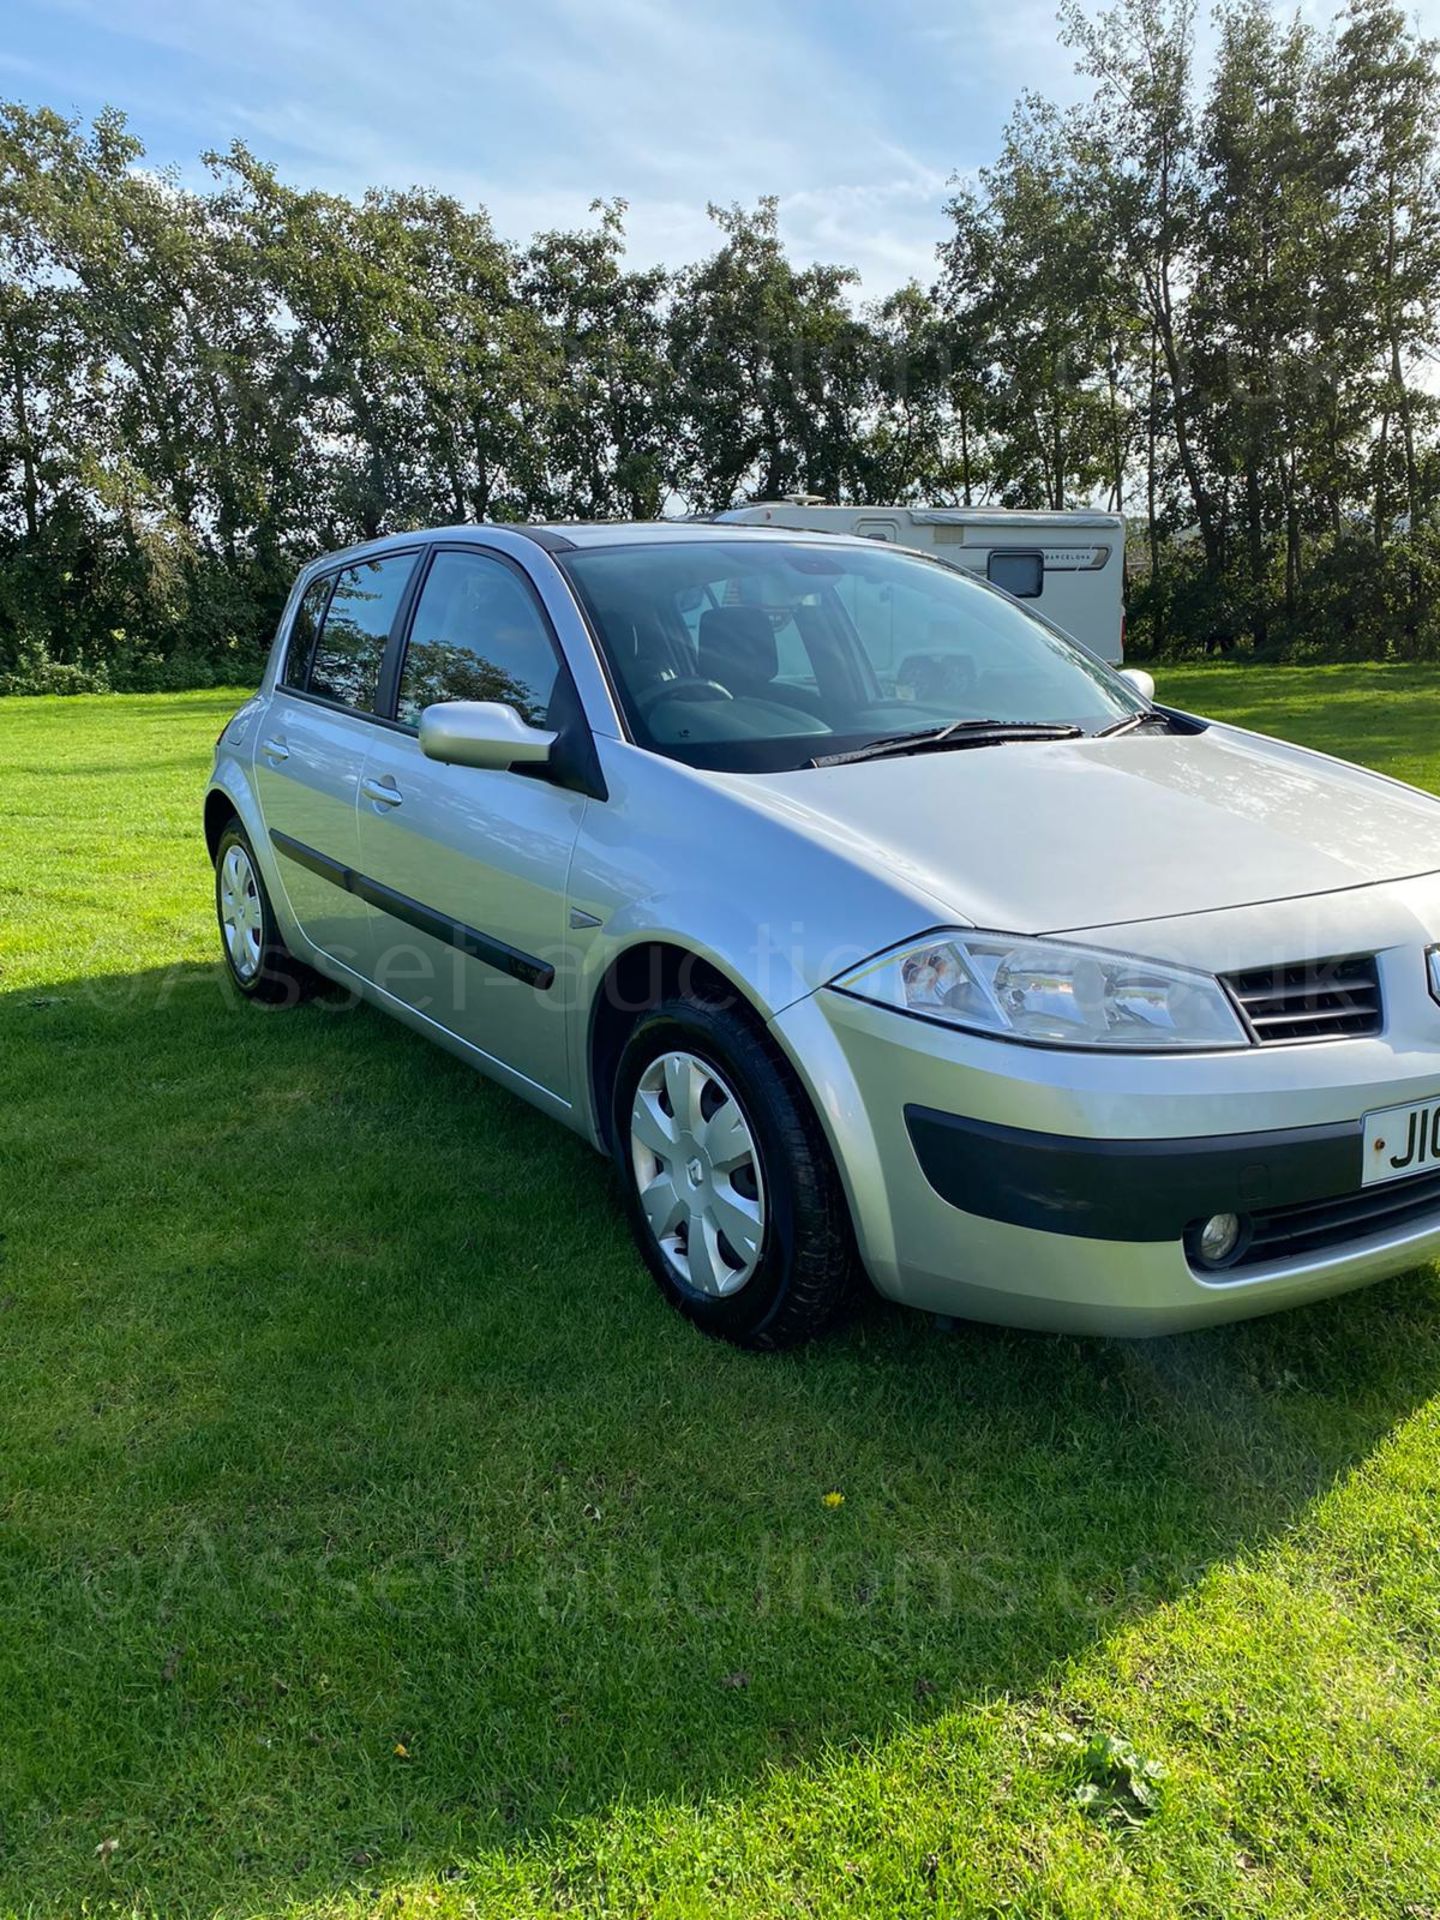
478, 635
352, 640
1020, 574
303, 629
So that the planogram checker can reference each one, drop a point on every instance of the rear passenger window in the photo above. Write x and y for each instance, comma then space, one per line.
1022, 574
352, 640
303, 629
478, 635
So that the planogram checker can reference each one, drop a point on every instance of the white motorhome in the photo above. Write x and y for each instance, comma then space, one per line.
1070, 565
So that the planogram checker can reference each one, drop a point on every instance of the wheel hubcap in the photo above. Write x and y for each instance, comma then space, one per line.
241, 918
697, 1172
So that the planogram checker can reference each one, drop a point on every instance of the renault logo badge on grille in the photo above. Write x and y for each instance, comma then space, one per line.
1432, 965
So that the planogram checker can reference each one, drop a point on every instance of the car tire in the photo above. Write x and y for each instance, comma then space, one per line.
256, 958
744, 1223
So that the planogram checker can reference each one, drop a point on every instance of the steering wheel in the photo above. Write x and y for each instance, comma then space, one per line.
688, 687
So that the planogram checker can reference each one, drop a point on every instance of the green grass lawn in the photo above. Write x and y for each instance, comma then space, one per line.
372, 1539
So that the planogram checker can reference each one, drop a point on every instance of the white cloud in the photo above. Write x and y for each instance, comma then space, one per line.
538, 112
854, 117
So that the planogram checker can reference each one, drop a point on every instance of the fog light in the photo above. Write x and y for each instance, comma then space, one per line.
1219, 1238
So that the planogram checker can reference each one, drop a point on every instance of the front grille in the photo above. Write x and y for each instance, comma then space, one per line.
1309, 1000
1285, 1233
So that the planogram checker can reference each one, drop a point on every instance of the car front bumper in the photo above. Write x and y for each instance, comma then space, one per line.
1042, 1188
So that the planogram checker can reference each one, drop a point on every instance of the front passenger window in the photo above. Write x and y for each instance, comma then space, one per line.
478, 634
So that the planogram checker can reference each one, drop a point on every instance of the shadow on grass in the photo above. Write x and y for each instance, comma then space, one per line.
367, 1510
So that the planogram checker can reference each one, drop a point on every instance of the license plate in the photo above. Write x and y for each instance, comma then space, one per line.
1401, 1141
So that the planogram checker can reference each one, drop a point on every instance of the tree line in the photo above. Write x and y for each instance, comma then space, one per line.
1206, 296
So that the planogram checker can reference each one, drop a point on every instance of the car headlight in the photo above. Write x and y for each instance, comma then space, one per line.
1049, 993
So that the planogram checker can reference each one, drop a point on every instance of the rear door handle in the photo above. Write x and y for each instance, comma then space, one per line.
381, 793
275, 750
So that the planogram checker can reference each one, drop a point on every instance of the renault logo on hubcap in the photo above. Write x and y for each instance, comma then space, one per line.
695, 1173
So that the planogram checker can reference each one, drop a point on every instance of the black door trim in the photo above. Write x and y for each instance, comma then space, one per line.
440, 926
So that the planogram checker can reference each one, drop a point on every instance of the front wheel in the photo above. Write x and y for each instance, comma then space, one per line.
256, 957
731, 1190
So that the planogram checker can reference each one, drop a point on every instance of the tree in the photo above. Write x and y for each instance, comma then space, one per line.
1382, 92
1028, 277
144, 389
1265, 211
910, 447
608, 420
771, 369
1141, 163
1217, 298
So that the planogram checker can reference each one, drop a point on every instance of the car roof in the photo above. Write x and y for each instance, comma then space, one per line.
644, 533
567, 536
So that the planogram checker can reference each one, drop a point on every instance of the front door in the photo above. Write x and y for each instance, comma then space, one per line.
466, 866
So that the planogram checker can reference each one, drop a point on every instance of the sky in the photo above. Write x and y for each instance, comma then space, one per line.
856, 115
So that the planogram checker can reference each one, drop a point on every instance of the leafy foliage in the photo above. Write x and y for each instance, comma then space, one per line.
1119, 1785
1214, 305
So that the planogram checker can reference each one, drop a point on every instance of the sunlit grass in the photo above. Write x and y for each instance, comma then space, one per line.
373, 1538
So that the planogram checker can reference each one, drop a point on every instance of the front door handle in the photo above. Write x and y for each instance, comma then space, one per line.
381, 793
275, 750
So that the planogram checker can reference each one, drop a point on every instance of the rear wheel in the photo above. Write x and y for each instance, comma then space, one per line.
729, 1183
256, 957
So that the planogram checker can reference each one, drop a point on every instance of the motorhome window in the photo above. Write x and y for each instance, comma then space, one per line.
1020, 574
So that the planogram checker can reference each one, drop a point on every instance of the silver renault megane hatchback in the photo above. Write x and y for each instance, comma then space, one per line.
870, 925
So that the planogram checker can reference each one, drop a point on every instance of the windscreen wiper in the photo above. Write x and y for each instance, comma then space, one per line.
1131, 722
959, 733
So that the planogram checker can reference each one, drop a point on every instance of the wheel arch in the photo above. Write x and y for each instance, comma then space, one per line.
219, 807
637, 979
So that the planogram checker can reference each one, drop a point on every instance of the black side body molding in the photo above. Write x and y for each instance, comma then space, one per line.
440, 926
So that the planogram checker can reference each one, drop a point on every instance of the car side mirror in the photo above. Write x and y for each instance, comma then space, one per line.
482, 733
1142, 682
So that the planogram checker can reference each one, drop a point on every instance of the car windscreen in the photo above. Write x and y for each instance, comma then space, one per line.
761, 655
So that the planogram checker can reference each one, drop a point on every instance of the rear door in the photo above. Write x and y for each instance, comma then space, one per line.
467, 866
311, 747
